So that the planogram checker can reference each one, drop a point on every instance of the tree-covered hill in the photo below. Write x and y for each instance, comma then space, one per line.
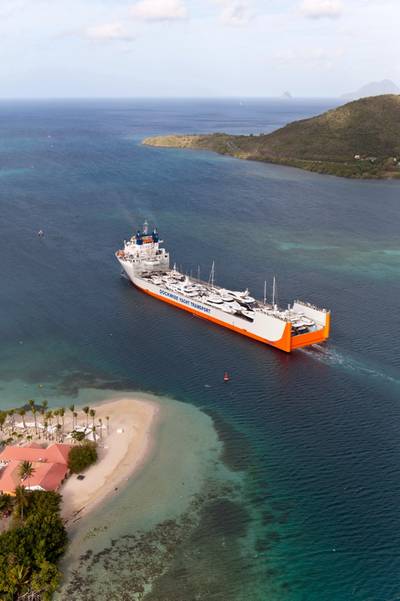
358, 139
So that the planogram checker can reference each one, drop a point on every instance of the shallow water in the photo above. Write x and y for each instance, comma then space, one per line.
155, 510
312, 438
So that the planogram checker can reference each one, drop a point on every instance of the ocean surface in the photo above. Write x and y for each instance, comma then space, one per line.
303, 503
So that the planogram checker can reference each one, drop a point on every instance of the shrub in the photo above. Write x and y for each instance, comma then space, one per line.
82, 456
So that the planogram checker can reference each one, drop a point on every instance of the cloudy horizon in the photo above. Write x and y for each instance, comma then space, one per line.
195, 48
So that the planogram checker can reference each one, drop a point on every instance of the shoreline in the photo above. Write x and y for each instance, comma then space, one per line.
230, 145
122, 454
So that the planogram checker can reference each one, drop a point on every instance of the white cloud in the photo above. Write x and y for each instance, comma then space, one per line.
159, 10
108, 32
319, 9
234, 12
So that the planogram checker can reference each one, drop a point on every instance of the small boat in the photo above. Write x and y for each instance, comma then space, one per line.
40, 233
226, 377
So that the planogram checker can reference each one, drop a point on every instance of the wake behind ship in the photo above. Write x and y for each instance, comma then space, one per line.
148, 267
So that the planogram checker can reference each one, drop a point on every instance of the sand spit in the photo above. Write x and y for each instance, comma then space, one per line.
121, 453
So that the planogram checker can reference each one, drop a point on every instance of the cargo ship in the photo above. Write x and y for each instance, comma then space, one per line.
147, 265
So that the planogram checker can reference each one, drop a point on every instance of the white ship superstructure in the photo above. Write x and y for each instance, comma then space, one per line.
147, 265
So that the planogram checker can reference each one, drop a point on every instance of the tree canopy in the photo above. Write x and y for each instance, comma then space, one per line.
82, 456
30, 550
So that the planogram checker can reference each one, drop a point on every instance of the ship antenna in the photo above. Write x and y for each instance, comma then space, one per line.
265, 292
198, 272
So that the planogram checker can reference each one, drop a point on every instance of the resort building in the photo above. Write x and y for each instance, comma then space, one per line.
50, 467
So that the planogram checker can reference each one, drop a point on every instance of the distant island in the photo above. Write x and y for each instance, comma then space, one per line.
360, 139
375, 88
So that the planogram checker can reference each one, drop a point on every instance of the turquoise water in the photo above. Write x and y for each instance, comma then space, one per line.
303, 503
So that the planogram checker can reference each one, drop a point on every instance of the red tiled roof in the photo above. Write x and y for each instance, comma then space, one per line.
9, 478
55, 453
50, 466
47, 475
58, 453
22, 453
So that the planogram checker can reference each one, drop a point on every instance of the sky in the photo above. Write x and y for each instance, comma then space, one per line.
195, 48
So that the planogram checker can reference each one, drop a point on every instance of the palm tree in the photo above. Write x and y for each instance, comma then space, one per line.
56, 412
26, 470
74, 419
59, 427
78, 436
34, 412
43, 409
101, 428
62, 413
22, 413
92, 413
11, 415
108, 424
72, 409
94, 433
49, 418
86, 411
22, 499
18, 577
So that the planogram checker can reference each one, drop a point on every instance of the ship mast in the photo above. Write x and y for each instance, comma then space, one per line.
274, 292
265, 292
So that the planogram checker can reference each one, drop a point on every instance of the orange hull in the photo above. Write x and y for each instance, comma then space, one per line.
287, 343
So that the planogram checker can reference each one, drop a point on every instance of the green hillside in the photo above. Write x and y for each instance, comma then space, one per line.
368, 128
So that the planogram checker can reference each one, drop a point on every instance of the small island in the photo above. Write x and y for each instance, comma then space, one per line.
56, 465
360, 139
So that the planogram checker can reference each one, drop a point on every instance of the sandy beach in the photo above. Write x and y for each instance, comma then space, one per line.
121, 453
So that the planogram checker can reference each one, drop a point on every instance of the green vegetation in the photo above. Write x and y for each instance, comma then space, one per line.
31, 548
82, 456
35, 538
6, 504
368, 129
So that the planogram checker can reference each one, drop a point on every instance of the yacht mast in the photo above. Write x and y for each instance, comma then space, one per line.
212, 275
273, 291
265, 292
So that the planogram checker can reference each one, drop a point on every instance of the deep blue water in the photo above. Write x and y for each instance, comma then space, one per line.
321, 426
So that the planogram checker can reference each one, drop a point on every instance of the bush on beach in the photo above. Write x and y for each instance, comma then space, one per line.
82, 456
